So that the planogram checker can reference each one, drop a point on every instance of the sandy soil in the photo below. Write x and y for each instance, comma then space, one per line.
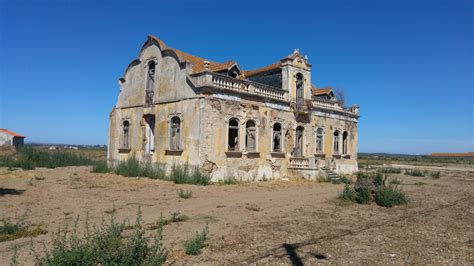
297, 221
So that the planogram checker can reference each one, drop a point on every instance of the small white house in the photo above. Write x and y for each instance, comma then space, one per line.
8, 137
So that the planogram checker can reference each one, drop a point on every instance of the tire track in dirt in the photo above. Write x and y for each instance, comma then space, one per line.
281, 250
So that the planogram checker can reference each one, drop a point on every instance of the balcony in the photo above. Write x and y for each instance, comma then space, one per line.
209, 79
336, 106
299, 163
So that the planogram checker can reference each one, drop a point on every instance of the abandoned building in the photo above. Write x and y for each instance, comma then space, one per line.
11, 138
271, 122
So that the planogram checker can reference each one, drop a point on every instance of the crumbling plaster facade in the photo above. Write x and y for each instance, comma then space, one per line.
175, 108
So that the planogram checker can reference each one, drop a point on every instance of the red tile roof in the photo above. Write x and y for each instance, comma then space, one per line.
6, 131
198, 62
323, 91
264, 69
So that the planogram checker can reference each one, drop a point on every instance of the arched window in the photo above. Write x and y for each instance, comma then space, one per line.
336, 142
299, 142
175, 134
233, 135
150, 83
319, 140
250, 136
126, 134
345, 142
299, 91
276, 139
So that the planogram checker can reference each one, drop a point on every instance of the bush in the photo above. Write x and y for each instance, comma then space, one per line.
347, 194
414, 172
194, 245
378, 179
390, 196
389, 170
363, 196
105, 245
435, 175
184, 194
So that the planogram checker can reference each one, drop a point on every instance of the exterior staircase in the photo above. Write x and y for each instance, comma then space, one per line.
332, 176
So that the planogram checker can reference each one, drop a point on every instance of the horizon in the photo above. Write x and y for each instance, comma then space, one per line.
60, 62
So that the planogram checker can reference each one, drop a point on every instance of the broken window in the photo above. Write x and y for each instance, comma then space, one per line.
299, 142
344, 142
276, 139
125, 134
319, 140
175, 134
149, 140
233, 136
336, 142
150, 83
299, 91
250, 136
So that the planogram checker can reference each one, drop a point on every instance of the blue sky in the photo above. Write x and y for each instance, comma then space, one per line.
409, 65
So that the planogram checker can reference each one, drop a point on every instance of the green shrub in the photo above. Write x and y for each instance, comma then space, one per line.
363, 196
389, 170
348, 194
435, 175
194, 245
390, 196
378, 179
414, 172
184, 194
105, 245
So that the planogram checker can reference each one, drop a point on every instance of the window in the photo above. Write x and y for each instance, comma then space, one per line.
175, 134
150, 83
344, 142
233, 135
336, 142
276, 138
149, 139
319, 140
299, 142
299, 91
250, 136
125, 134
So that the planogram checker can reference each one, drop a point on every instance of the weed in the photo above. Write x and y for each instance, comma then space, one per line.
435, 175
104, 245
9, 231
184, 194
347, 194
389, 170
390, 196
194, 245
133, 168
185, 174
414, 172
100, 167
230, 181
395, 181
419, 183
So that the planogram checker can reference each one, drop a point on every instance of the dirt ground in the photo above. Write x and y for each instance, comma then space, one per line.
268, 222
